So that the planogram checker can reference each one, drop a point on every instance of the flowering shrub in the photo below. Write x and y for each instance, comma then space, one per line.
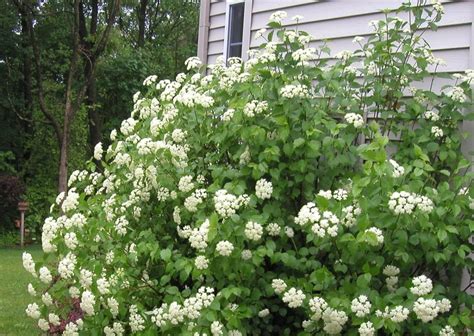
258, 199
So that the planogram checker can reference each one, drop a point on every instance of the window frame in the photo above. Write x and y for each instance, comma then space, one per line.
228, 25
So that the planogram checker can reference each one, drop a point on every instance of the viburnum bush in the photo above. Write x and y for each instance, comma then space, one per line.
290, 194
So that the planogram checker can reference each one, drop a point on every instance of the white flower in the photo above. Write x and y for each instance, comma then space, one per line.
192, 63
71, 201
350, 215
185, 183
178, 135
273, 229
31, 290
447, 331
70, 239
297, 18
254, 107
405, 203
327, 194
28, 263
113, 305
45, 275
227, 116
136, 321
198, 237
340, 194
366, 329
422, 285
253, 231
260, 33
437, 132
431, 115
334, 321
201, 262
263, 313
216, 328
47, 299
425, 309
74, 292
344, 55
294, 298
224, 248
290, 233
457, 94
98, 151
278, 285
263, 189
360, 306
33, 311
103, 286
87, 302
397, 170
437, 6
292, 91
322, 223
444, 305
354, 119
54, 319
67, 265
317, 306
246, 254
85, 278
358, 39
378, 236
278, 16
43, 325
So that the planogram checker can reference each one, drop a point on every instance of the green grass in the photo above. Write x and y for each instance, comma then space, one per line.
13, 293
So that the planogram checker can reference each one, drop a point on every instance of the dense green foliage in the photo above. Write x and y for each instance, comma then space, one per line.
257, 199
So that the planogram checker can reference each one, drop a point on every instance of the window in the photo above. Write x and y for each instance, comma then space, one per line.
235, 29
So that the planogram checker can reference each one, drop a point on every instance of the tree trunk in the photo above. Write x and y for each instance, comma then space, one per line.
95, 122
142, 23
63, 158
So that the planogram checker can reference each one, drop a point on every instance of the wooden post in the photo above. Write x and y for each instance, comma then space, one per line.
22, 206
22, 228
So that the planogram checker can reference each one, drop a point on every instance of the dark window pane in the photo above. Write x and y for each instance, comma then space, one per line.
236, 22
235, 50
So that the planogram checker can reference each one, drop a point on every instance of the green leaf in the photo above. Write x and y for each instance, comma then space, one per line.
165, 254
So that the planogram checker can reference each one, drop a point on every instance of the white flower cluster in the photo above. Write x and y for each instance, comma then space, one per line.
354, 119
457, 94
392, 277
397, 314
228, 115
185, 183
175, 313
426, 309
67, 265
278, 285
28, 263
87, 302
360, 306
192, 63
422, 285
317, 306
201, 262
196, 198
366, 329
405, 203
32, 310
447, 331
273, 229
263, 189
254, 107
431, 115
322, 224
294, 297
397, 170
278, 16
350, 215
253, 231
338, 194
198, 237
224, 248
216, 328
303, 56
71, 201
378, 236
136, 321
127, 126
116, 330
98, 151
292, 91
225, 203
334, 320
437, 131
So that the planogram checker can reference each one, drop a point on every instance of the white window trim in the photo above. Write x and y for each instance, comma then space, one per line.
226, 28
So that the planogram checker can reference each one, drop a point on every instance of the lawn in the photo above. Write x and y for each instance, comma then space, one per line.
13, 294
